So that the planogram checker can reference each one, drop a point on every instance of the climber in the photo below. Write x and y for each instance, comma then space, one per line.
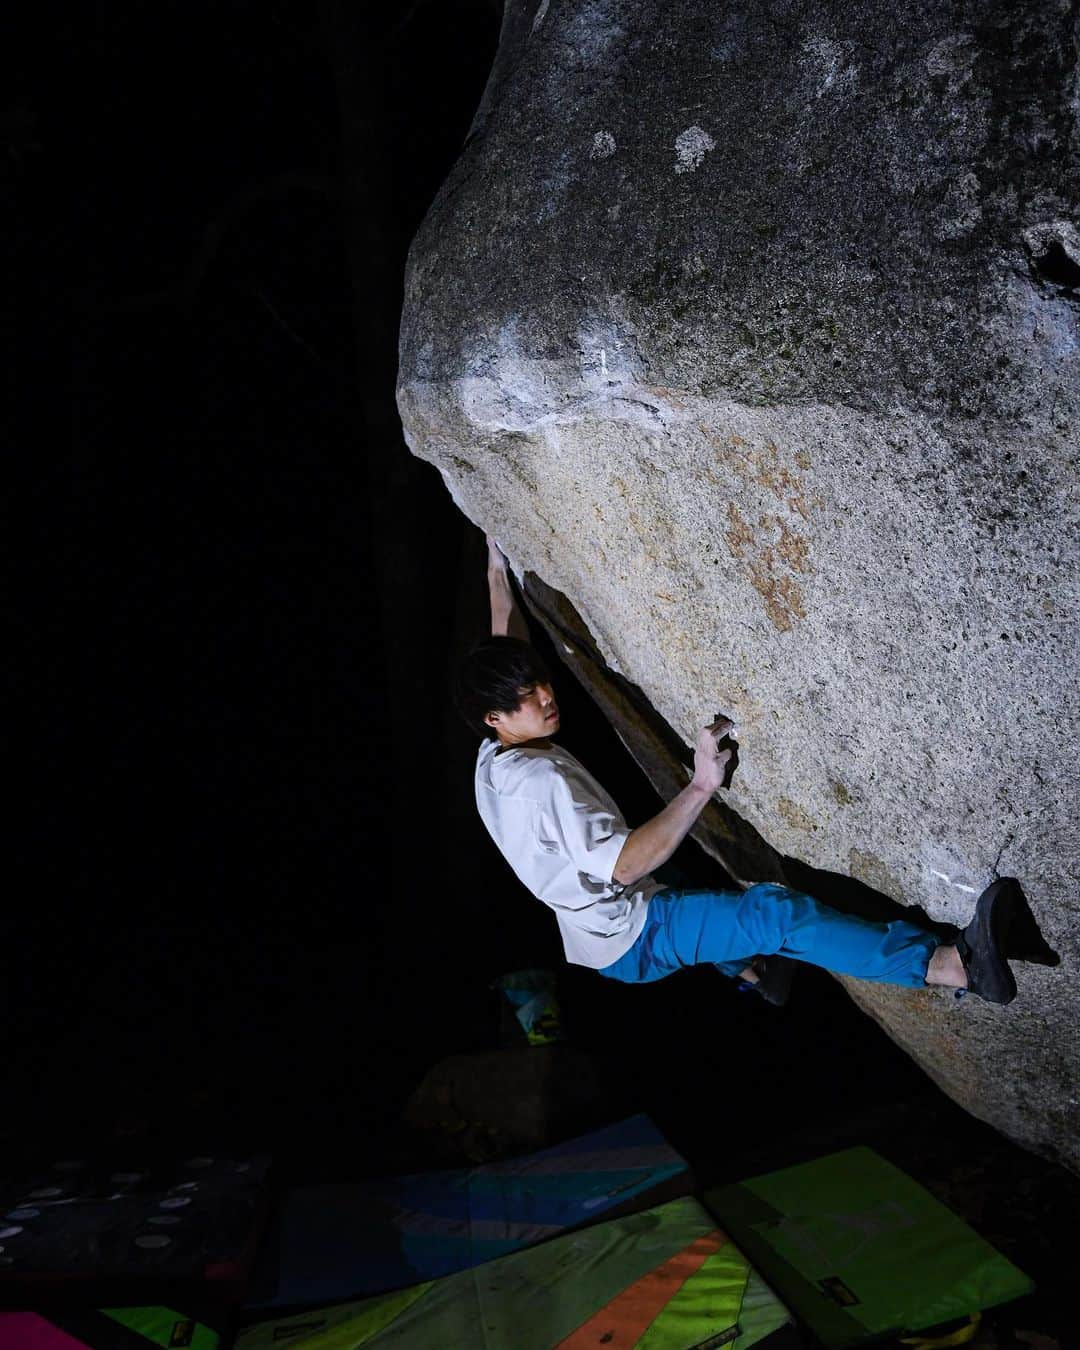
567, 842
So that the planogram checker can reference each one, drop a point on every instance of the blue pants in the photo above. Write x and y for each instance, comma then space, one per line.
727, 929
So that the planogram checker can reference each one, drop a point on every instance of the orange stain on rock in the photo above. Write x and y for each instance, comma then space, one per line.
794, 549
771, 564
739, 534
783, 599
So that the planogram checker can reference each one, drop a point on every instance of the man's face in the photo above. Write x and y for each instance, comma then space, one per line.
536, 717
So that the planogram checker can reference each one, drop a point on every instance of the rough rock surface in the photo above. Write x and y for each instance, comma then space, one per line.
753, 329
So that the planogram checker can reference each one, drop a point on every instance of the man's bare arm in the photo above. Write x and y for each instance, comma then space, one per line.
507, 619
652, 844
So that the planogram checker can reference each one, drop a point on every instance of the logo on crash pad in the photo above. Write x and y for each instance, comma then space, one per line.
838, 1291
298, 1329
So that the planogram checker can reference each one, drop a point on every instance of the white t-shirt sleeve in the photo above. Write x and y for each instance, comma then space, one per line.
573, 822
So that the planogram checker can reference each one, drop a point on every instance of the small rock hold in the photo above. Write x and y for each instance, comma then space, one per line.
1054, 247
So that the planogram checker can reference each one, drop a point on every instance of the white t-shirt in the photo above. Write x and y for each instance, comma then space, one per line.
562, 834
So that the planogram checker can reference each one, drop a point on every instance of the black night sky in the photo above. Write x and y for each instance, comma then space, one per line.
249, 903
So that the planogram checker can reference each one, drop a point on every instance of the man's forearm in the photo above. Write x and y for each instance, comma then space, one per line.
652, 844
507, 619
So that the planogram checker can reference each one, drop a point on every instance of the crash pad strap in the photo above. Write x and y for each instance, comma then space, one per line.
346, 1327
961, 1336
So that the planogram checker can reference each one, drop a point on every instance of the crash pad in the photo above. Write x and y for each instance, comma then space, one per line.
859, 1250
662, 1279
109, 1232
340, 1241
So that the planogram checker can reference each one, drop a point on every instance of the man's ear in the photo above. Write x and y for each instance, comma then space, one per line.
491, 719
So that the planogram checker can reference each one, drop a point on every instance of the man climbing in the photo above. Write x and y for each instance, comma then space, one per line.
567, 842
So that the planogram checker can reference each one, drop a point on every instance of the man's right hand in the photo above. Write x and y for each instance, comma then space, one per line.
710, 763
652, 844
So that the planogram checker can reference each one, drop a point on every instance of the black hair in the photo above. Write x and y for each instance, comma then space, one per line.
491, 679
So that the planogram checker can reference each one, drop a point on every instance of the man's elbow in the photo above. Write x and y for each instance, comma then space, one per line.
624, 873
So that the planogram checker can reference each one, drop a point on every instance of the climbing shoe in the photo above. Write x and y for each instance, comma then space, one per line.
774, 976
982, 943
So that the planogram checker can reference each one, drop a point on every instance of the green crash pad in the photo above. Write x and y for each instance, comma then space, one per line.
664, 1279
858, 1250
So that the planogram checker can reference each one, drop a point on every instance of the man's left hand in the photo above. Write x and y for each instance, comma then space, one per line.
496, 557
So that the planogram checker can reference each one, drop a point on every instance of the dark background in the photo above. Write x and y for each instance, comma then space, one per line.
249, 901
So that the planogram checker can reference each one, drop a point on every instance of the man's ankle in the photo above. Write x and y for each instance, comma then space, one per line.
946, 968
